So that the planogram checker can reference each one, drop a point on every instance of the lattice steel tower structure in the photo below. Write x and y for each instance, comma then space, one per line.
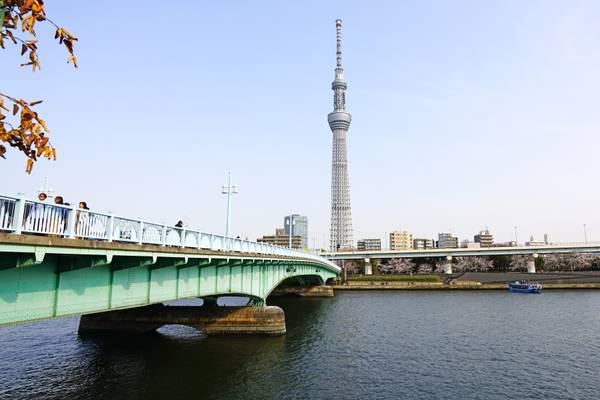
339, 122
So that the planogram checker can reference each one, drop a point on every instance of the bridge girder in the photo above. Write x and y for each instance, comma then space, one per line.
34, 287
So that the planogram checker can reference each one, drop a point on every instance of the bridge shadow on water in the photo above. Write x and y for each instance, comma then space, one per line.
174, 362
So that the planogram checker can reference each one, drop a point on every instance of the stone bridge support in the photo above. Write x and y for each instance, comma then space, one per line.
448, 265
210, 319
368, 267
531, 263
304, 291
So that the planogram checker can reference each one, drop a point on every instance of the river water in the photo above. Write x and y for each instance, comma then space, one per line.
358, 345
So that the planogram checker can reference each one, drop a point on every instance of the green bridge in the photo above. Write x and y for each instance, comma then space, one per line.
44, 277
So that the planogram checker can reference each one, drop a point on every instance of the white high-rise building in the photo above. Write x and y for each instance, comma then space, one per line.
339, 122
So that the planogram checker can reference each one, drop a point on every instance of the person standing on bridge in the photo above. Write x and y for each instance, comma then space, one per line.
83, 223
36, 215
58, 217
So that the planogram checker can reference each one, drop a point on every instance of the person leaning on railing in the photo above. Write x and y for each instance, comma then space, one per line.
82, 218
6, 214
59, 216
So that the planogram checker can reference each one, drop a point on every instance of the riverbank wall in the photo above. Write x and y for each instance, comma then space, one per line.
441, 286
473, 281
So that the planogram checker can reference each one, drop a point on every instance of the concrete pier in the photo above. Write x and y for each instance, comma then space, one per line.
531, 263
212, 320
448, 265
304, 291
368, 268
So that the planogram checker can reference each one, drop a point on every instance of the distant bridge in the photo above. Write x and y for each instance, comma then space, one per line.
449, 254
60, 260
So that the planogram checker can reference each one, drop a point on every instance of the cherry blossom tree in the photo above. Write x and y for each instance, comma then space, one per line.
397, 266
352, 267
569, 262
425, 268
519, 263
472, 264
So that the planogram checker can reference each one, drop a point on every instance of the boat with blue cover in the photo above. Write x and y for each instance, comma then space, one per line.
524, 287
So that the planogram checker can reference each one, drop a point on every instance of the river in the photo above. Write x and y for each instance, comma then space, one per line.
357, 345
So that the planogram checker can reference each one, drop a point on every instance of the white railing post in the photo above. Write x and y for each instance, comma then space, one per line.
182, 238
71, 217
141, 232
110, 227
17, 221
164, 235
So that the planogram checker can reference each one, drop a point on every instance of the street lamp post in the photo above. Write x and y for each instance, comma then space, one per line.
585, 233
516, 238
291, 222
46, 189
229, 189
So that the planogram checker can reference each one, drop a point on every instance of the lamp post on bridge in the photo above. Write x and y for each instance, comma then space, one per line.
46, 189
291, 222
229, 189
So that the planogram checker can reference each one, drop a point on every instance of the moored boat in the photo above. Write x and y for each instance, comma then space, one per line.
524, 287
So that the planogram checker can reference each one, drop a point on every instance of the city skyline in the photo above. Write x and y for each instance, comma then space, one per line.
496, 129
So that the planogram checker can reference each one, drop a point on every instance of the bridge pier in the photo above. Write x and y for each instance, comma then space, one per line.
531, 263
212, 320
304, 291
448, 265
368, 267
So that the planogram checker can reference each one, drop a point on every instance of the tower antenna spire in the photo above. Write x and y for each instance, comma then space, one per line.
338, 38
339, 122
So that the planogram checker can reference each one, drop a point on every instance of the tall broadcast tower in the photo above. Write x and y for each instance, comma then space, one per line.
339, 122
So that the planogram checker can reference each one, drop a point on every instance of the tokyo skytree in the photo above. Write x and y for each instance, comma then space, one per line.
339, 122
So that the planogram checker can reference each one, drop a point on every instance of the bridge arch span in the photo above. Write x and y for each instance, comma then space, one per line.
44, 278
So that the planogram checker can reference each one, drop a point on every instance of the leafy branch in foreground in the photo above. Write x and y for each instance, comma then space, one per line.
27, 133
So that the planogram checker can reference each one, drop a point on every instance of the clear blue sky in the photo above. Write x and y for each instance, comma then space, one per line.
466, 114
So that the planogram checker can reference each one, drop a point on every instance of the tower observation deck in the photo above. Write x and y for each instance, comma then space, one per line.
339, 122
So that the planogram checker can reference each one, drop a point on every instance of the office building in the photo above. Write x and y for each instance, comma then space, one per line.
281, 239
299, 227
423, 244
484, 238
401, 240
447, 241
369, 244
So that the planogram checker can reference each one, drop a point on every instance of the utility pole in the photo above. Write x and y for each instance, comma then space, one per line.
229, 189
585, 233
516, 239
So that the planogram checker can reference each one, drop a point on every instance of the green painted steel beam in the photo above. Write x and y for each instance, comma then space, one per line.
49, 282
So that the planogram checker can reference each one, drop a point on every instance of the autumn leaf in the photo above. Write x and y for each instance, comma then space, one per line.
26, 133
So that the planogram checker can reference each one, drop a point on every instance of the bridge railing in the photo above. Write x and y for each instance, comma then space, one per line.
20, 215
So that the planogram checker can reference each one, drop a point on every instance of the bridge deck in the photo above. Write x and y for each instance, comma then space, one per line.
58, 245
45, 277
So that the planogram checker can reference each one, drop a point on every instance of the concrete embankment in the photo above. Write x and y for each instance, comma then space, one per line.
473, 281
463, 286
